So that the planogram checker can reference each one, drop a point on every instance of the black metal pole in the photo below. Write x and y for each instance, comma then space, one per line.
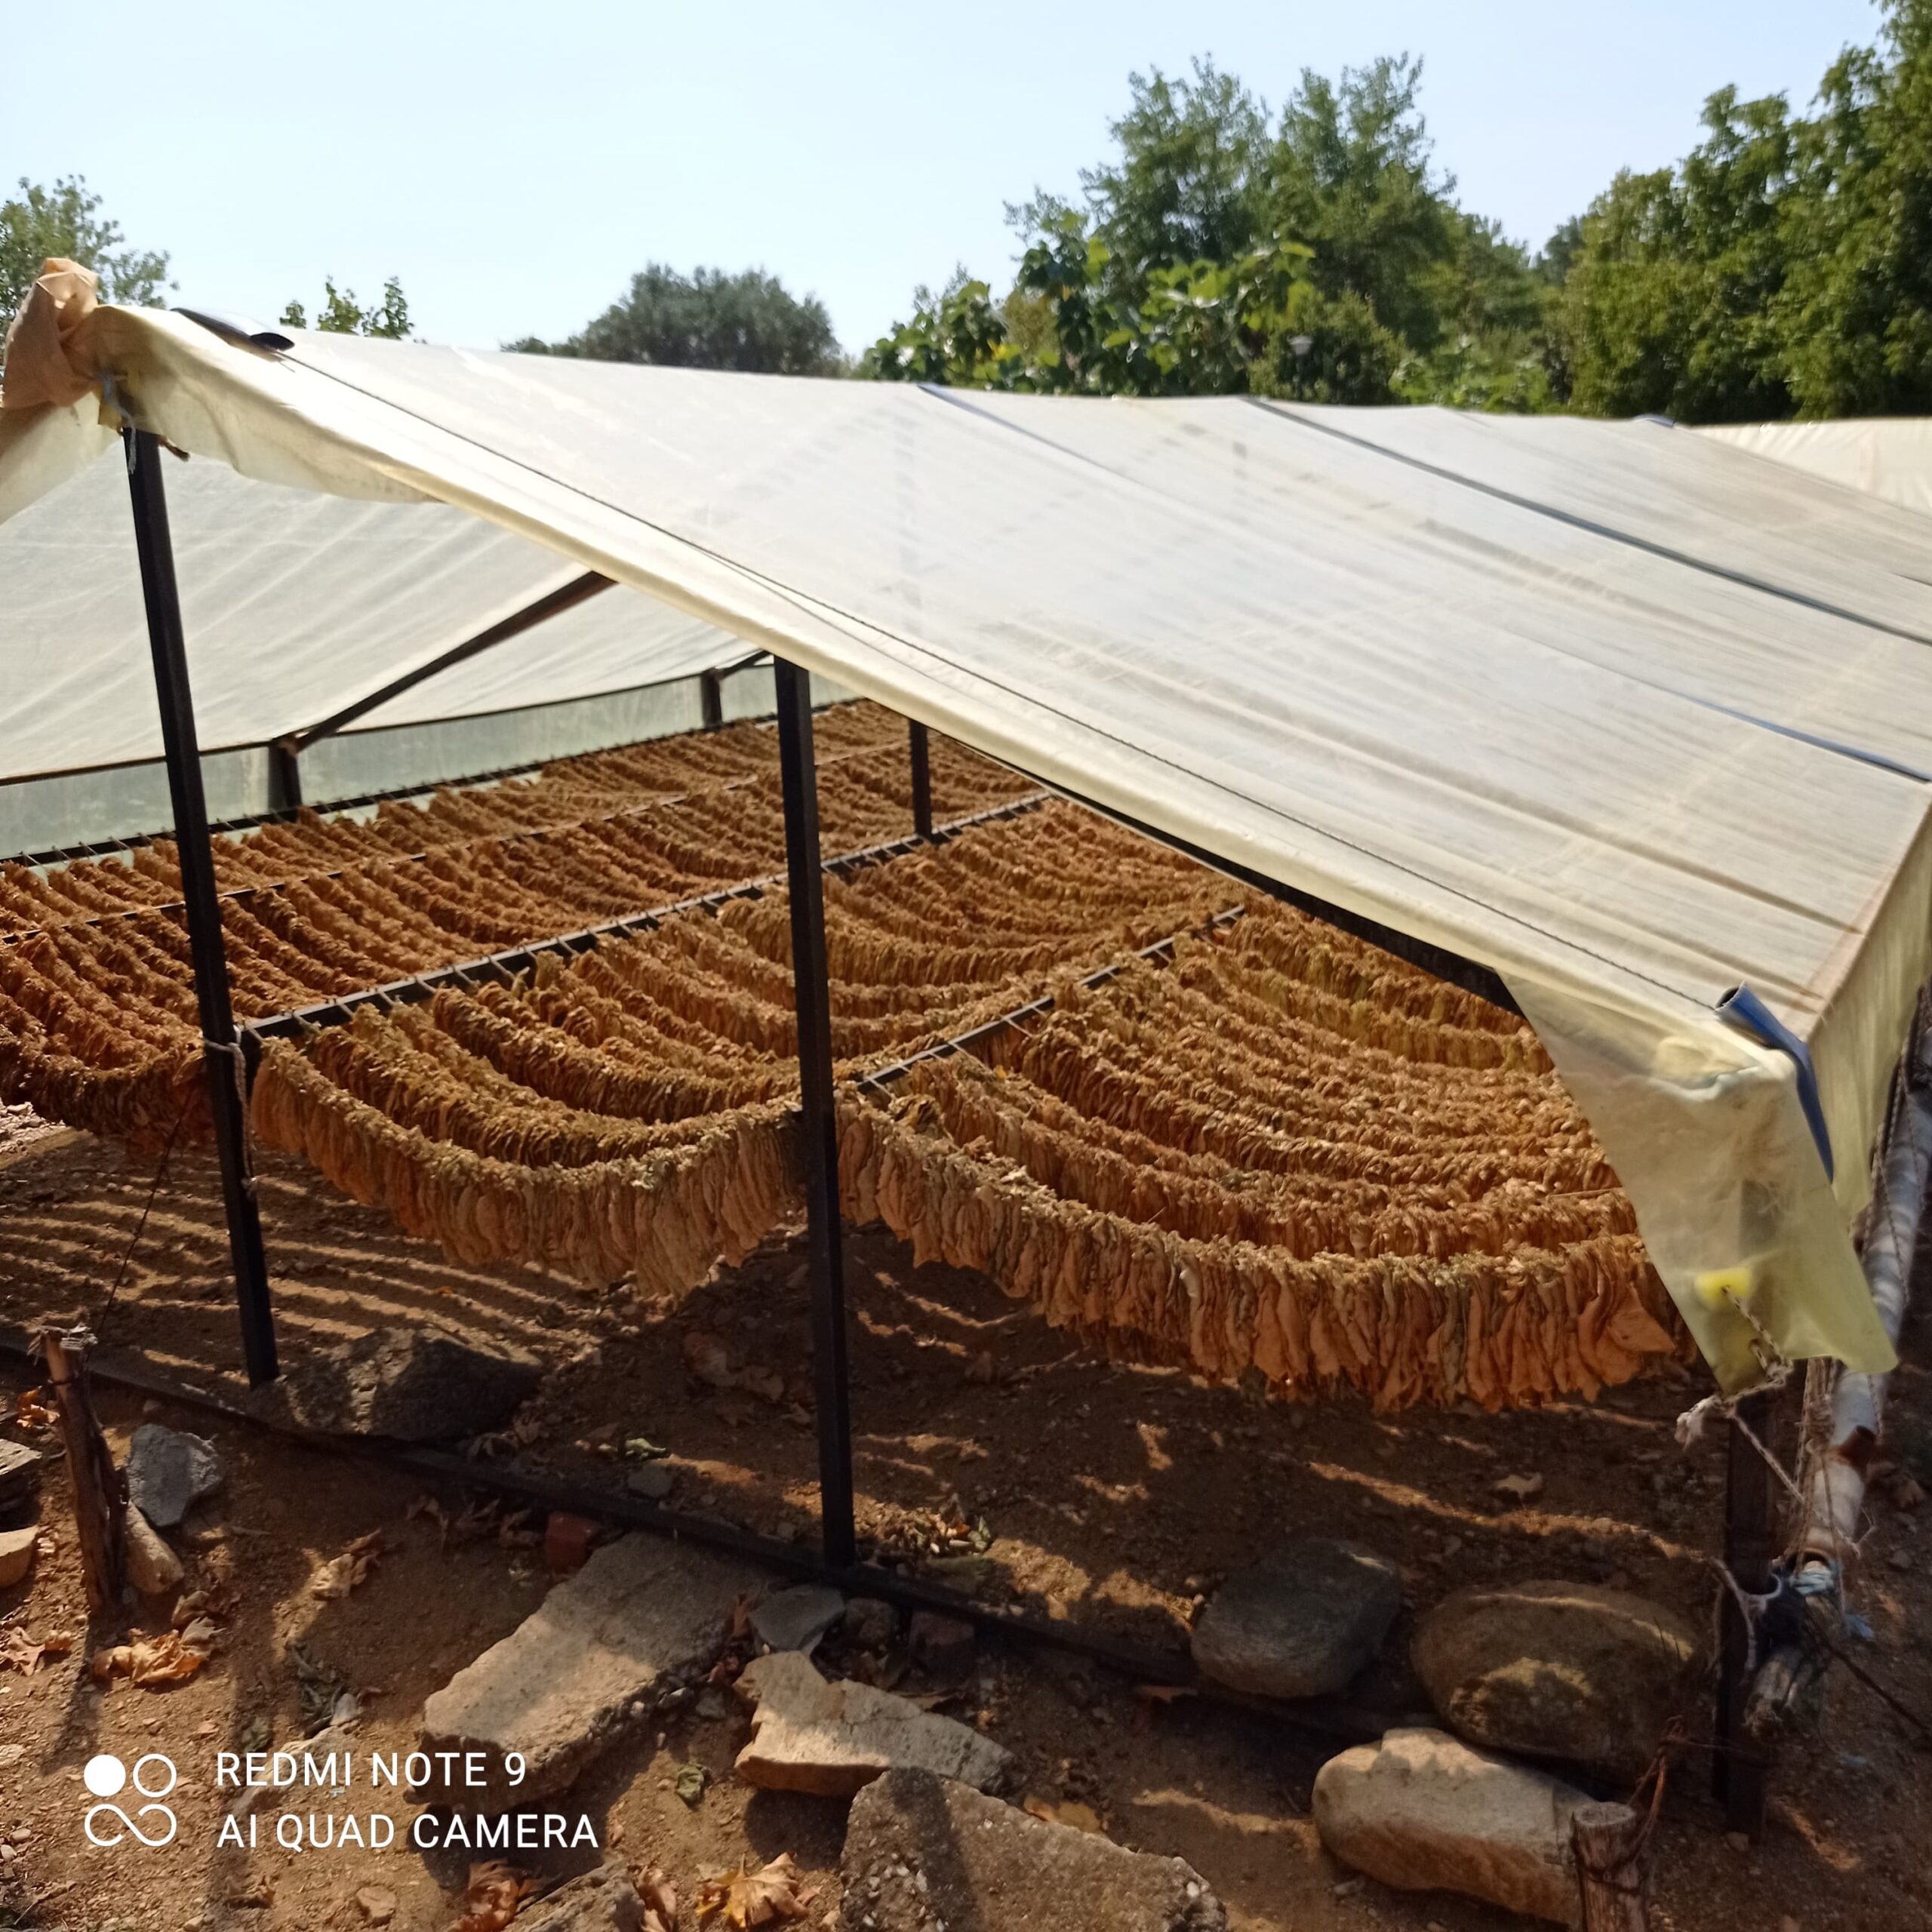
818, 1120
920, 747
1750, 1547
711, 699
285, 776
222, 1052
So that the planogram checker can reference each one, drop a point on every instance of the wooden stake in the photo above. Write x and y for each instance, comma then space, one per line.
1612, 1877
99, 1493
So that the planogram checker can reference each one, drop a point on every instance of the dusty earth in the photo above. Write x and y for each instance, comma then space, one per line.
1115, 1497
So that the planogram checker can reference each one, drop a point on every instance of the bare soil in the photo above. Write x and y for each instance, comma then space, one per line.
1115, 1497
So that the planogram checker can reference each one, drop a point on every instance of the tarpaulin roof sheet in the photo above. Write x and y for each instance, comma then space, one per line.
1628, 717
1888, 456
296, 606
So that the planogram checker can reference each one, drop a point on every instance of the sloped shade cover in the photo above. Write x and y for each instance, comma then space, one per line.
1626, 780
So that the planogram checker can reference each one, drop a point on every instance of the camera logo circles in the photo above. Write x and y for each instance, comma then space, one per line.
153, 1777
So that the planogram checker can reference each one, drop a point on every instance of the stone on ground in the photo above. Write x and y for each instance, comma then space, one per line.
643, 1617
410, 1385
1423, 1812
1553, 1669
870, 1623
832, 1738
653, 1482
169, 1471
601, 1900
17, 1549
795, 1619
1302, 1621
152, 1567
945, 1648
922, 1851
20, 1479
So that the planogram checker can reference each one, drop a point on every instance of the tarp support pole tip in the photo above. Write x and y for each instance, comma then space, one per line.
818, 1119
200, 905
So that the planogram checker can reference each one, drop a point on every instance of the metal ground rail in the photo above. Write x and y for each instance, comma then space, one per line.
512, 960
1332, 1718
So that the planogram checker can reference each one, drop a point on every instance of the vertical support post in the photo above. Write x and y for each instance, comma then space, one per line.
222, 1054
919, 746
1750, 1547
711, 698
284, 775
818, 1121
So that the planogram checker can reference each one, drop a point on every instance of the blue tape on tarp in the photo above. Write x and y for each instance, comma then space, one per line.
1749, 1015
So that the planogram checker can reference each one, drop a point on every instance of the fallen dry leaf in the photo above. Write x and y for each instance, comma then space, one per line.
749, 1899
492, 1897
18, 1651
660, 1903
1518, 1489
341, 1574
171, 1658
30, 1412
1081, 1817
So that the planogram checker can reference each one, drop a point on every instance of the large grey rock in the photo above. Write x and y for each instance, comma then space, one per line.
602, 1900
1423, 1812
1552, 1670
1301, 1622
643, 1617
411, 1385
795, 1619
169, 1471
922, 1851
832, 1738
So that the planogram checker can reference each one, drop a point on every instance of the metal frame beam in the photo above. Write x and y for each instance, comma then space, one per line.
553, 605
221, 1052
818, 1119
918, 749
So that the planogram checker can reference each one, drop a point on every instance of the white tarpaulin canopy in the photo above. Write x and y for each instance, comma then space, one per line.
1628, 717
1889, 456
298, 605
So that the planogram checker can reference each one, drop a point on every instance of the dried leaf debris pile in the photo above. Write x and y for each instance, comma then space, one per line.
98, 1027
1284, 1152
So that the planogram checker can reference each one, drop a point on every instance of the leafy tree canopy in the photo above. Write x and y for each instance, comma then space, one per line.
65, 220
708, 320
1317, 254
341, 314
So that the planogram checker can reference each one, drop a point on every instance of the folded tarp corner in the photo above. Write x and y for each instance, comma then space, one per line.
1611, 710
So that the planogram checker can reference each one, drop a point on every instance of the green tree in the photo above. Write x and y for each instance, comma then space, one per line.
1320, 256
1855, 309
1671, 301
341, 314
65, 220
708, 320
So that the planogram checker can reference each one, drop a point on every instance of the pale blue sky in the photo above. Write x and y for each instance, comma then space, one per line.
514, 164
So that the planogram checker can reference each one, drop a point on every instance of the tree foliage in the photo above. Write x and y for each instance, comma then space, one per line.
65, 220
1784, 266
708, 320
1222, 249
341, 314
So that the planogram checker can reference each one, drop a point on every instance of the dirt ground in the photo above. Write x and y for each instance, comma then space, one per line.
1115, 1496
